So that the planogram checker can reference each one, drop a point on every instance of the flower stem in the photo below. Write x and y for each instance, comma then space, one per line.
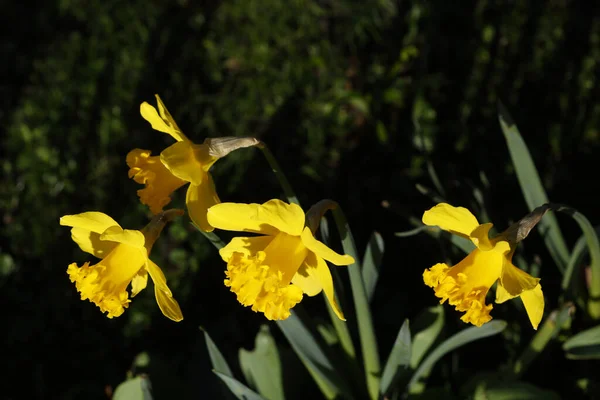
283, 182
549, 329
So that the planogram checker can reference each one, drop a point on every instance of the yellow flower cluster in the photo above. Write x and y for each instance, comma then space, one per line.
269, 273
281, 261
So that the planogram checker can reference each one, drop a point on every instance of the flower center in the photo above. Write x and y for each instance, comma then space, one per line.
261, 286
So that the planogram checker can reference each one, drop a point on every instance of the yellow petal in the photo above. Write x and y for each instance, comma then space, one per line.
268, 218
321, 250
285, 254
92, 221
502, 295
533, 300
188, 161
516, 281
129, 237
168, 305
199, 199
86, 230
481, 236
164, 297
166, 116
150, 114
90, 242
151, 172
164, 122
139, 282
457, 220
245, 245
314, 276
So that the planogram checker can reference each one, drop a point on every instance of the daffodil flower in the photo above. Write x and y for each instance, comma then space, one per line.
179, 164
466, 284
124, 259
271, 272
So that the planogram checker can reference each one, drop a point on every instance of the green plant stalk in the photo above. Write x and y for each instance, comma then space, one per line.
364, 319
283, 182
549, 329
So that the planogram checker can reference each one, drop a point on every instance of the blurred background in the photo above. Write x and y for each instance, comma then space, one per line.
361, 102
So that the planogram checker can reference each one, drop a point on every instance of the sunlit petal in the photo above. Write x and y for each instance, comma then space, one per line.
168, 305
139, 282
187, 161
516, 281
92, 221
533, 300
321, 250
457, 220
199, 199
268, 218
314, 276
129, 237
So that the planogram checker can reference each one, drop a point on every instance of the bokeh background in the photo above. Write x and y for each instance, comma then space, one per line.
359, 100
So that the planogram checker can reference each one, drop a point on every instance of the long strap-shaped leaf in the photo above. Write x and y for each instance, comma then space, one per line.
364, 319
461, 338
313, 356
531, 186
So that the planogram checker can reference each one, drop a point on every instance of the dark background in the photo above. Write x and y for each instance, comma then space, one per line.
356, 99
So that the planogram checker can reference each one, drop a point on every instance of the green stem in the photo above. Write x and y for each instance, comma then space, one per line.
549, 329
283, 182
364, 319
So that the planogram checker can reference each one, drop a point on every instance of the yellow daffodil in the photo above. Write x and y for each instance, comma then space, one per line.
466, 284
271, 272
124, 259
181, 163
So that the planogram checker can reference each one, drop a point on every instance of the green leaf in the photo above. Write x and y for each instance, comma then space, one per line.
240, 390
262, 366
593, 245
364, 318
313, 356
371, 263
511, 391
531, 186
584, 345
138, 388
428, 326
216, 358
459, 339
399, 357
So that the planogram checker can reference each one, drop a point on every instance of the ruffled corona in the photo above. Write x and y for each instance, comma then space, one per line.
261, 286
272, 272
466, 284
149, 171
